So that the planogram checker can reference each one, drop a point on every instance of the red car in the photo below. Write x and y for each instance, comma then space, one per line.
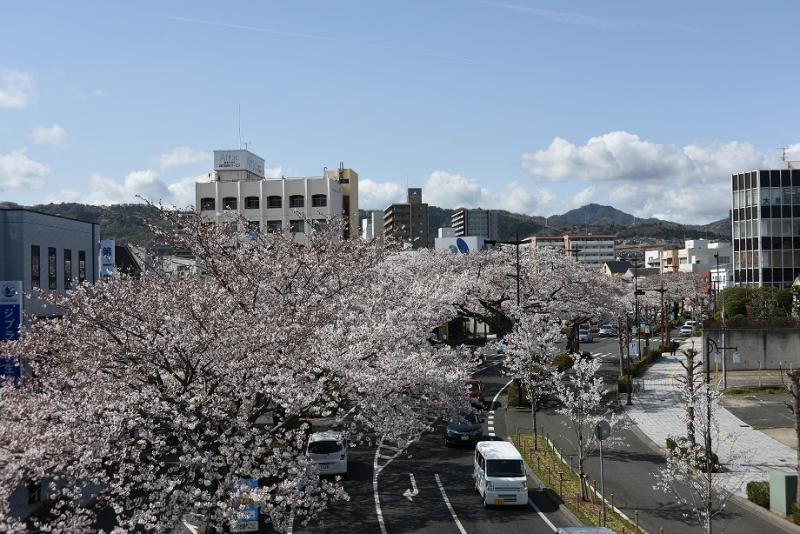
475, 391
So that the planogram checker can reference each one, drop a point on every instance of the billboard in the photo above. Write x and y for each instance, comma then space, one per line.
10, 310
108, 264
238, 160
459, 245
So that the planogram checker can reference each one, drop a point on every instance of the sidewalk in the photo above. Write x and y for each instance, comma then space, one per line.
658, 413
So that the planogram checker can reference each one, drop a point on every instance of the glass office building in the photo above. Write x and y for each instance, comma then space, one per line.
766, 227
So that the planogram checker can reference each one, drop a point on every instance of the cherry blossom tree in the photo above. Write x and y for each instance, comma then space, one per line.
580, 393
155, 397
686, 474
529, 349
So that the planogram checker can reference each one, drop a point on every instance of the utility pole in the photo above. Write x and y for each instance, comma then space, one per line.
664, 337
636, 293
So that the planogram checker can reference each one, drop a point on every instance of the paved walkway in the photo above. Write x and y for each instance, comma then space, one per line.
749, 453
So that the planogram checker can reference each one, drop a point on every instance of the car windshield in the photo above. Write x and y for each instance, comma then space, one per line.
584, 332
607, 326
504, 468
465, 419
324, 447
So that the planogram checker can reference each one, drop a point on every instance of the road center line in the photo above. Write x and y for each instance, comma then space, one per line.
375, 471
290, 523
544, 517
449, 506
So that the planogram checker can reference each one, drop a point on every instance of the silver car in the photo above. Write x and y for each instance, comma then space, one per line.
585, 336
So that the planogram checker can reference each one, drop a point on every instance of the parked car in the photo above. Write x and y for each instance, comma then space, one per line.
685, 330
693, 324
584, 336
475, 391
463, 428
606, 330
328, 451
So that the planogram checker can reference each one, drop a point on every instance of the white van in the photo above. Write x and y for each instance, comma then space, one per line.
328, 451
499, 473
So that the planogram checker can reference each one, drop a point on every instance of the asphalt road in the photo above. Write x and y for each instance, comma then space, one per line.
446, 503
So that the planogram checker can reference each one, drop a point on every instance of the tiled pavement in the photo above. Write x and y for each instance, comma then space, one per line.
657, 412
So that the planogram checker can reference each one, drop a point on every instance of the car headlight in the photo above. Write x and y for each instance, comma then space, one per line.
490, 486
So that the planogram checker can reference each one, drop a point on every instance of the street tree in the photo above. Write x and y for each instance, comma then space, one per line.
155, 397
691, 473
529, 350
794, 390
579, 392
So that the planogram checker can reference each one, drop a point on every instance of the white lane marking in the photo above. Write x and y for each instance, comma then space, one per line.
290, 524
375, 471
494, 400
544, 517
413, 491
491, 412
449, 506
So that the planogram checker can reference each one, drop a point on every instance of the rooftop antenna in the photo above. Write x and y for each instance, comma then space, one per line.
242, 144
785, 158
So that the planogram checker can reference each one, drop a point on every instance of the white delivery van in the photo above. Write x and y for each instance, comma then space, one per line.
499, 474
328, 451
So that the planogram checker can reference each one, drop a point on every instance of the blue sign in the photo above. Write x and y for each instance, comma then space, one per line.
10, 310
247, 520
10, 368
462, 246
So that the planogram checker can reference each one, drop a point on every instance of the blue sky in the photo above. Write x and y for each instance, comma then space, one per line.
530, 105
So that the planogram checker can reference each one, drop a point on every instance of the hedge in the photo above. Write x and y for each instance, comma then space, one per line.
758, 492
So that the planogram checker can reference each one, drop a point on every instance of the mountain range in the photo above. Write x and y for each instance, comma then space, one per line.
126, 223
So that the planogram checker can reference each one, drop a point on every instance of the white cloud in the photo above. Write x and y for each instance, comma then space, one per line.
54, 135
686, 184
182, 191
182, 156
18, 171
15, 89
374, 195
585, 196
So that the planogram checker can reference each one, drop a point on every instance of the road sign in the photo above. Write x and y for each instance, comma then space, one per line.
247, 520
633, 349
10, 309
602, 430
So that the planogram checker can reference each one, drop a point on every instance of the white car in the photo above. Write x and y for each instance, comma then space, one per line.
328, 451
499, 474
606, 330
584, 336
686, 330
692, 324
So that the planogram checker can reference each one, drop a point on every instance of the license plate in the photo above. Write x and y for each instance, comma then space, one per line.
498, 501
464, 438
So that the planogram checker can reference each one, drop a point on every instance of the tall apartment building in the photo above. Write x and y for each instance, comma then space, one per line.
475, 222
408, 221
766, 227
239, 188
593, 250
47, 252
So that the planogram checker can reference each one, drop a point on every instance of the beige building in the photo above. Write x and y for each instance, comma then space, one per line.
238, 187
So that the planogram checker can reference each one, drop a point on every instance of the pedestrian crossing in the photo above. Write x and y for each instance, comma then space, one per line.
605, 355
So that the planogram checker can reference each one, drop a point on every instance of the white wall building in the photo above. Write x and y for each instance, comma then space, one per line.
238, 188
446, 232
372, 226
698, 255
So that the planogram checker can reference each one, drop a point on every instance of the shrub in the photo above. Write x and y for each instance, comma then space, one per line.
758, 492
796, 515
563, 362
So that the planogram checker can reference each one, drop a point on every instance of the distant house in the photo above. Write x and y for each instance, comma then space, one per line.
616, 267
640, 272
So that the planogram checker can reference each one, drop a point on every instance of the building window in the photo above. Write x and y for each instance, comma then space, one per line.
298, 226
319, 201
67, 269
52, 281
297, 201
274, 201
251, 203
36, 280
230, 203
274, 226
207, 204
81, 266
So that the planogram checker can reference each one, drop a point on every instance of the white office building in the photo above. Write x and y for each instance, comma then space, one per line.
698, 255
372, 226
238, 187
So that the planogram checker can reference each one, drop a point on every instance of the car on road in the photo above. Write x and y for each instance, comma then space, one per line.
475, 391
328, 451
686, 330
606, 330
584, 336
466, 427
693, 324
499, 474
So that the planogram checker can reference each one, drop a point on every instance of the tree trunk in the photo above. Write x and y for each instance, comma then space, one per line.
533, 418
581, 474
